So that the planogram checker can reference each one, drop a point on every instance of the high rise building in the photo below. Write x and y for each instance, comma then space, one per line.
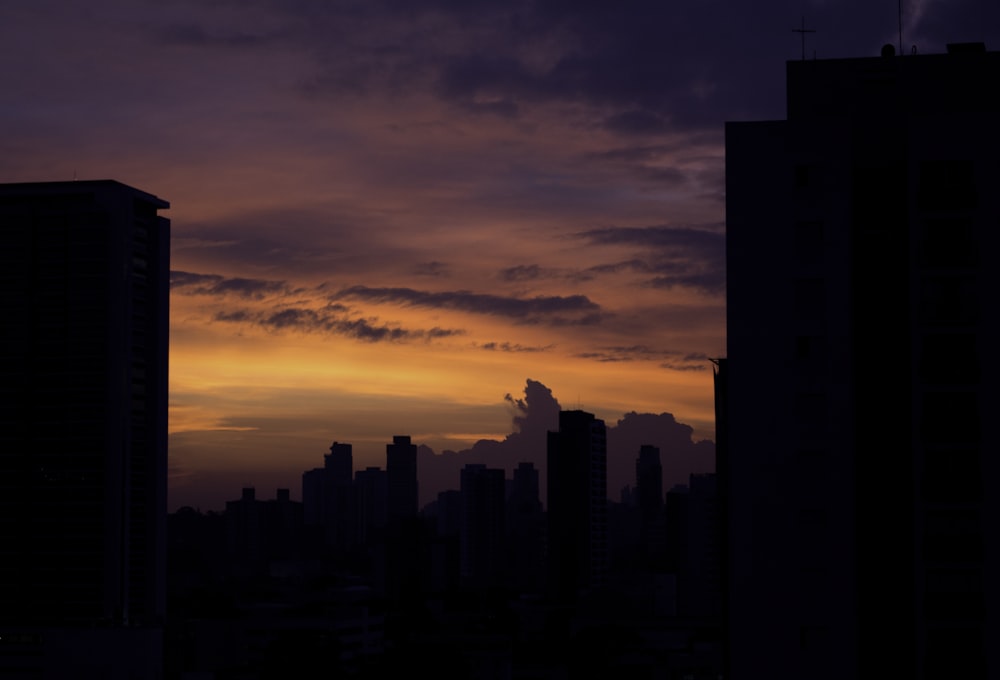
401, 478
84, 276
525, 530
577, 505
482, 534
371, 489
858, 479
329, 499
649, 501
649, 485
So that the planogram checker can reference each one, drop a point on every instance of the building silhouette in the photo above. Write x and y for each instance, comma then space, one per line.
83, 454
649, 499
482, 535
371, 487
857, 472
261, 533
401, 477
525, 530
577, 549
405, 538
329, 499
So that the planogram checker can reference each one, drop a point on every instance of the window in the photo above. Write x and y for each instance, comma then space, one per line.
952, 474
811, 413
949, 300
947, 185
809, 241
810, 299
947, 243
950, 418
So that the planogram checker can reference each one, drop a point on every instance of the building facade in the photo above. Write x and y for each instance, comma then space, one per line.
401, 476
857, 472
482, 534
577, 548
83, 441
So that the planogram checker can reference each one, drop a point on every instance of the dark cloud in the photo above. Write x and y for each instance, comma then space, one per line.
645, 153
684, 257
179, 279
673, 366
238, 316
637, 122
663, 177
617, 267
522, 272
603, 357
291, 318
552, 310
700, 242
188, 283
643, 67
512, 347
710, 284
196, 35
434, 269
330, 320
305, 240
713, 283
667, 358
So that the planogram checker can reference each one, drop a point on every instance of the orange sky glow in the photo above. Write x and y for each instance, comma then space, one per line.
388, 218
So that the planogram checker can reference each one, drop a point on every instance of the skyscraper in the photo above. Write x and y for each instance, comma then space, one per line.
858, 378
84, 275
329, 499
401, 474
525, 530
577, 505
482, 559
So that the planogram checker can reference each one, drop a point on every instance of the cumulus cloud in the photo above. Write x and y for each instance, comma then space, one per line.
536, 413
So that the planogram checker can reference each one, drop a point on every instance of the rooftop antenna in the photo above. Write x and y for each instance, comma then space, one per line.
802, 32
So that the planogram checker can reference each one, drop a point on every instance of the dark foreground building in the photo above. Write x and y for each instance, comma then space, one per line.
860, 473
84, 275
577, 506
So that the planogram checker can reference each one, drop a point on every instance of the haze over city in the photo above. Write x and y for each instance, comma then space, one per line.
400, 218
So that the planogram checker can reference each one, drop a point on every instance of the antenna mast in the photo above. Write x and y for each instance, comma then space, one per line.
802, 32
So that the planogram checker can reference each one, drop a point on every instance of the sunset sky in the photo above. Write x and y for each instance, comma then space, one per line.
389, 215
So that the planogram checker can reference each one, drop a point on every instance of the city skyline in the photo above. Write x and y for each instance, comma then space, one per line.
538, 414
403, 213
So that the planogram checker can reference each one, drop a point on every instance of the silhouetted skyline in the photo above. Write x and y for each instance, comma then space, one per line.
405, 211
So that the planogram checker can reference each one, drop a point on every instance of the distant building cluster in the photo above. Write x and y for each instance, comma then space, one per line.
358, 546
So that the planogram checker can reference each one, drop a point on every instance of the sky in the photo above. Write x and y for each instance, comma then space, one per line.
398, 217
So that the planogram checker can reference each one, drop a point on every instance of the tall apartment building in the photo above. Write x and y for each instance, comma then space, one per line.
577, 505
401, 477
84, 277
330, 500
482, 534
858, 474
